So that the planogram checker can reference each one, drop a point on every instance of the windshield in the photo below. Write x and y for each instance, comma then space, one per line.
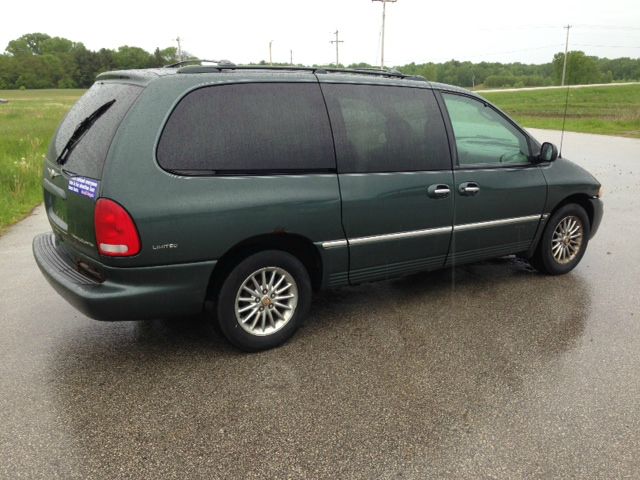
91, 144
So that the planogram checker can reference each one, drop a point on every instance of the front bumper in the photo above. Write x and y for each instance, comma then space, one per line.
598, 210
125, 293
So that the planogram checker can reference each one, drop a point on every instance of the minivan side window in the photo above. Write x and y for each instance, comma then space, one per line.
248, 128
483, 136
386, 128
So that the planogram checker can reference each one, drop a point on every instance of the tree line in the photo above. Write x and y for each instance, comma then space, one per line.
37, 60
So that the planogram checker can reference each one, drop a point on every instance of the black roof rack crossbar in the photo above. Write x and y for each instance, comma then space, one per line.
229, 66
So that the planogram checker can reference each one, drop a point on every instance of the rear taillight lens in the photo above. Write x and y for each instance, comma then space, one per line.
116, 234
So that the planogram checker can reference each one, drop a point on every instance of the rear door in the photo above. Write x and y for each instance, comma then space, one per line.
74, 164
395, 178
499, 192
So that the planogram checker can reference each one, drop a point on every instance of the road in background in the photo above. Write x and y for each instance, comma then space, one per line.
488, 370
525, 89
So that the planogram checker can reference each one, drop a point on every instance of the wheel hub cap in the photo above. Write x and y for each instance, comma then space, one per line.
266, 301
566, 242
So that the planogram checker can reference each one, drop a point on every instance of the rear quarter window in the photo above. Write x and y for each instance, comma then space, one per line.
248, 128
88, 157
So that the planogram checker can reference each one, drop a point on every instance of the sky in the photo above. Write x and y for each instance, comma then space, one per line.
416, 30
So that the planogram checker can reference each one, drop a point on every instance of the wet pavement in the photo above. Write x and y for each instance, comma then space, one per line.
487, 371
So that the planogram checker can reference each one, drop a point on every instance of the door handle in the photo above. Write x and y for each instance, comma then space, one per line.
469, 188
439, 190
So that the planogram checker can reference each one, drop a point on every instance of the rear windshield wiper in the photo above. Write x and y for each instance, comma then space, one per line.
80, 130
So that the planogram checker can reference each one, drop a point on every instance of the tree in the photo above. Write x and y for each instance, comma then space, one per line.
29, 44
581, 69
166, 56
132, 57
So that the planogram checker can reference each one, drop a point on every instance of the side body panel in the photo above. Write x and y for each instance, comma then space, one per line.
376, 204
502, 217
189, 219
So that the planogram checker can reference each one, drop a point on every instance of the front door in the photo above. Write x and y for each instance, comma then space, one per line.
499, 193
395, 178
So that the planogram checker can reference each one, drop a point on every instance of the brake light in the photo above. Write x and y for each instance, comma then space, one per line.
116, 234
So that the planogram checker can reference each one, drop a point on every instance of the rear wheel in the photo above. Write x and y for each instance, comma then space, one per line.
264, 300
563, 242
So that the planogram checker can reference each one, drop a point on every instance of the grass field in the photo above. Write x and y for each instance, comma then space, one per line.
27, 124
29, 120
605, 110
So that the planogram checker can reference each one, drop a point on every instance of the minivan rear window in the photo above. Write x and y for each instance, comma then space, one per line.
248, 128
89, 154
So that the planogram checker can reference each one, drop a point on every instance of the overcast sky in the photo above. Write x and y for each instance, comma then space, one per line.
417, 30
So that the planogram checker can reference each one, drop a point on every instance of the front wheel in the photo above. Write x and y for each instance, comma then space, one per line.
264, 300
563, 242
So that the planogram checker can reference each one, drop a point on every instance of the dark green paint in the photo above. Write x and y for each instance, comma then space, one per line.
205, 217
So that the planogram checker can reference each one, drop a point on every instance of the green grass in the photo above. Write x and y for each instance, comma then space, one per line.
604, 110
27, 124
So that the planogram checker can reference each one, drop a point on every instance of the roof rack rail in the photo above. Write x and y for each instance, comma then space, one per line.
362, 71
225, 63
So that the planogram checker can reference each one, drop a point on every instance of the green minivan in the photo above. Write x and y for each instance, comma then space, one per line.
250, 187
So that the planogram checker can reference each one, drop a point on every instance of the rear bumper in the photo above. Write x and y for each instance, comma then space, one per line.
126, 293
598, 210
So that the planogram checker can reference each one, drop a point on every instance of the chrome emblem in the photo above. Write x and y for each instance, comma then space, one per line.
52, 173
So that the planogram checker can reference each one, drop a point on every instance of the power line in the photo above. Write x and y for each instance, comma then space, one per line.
337, 41
603, 46
607, 27
384, 8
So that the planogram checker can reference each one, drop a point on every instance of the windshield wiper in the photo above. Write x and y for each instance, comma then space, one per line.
80, 130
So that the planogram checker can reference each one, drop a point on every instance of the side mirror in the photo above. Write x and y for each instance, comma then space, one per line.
548, 152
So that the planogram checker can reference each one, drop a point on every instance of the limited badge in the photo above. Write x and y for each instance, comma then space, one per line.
86, 187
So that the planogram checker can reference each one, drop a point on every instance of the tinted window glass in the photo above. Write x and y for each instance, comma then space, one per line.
386, 129
483, 136
88, 156
248, 127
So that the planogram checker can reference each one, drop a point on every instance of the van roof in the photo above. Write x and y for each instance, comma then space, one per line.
145, 76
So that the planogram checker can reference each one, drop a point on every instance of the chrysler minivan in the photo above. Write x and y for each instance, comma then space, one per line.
251, 187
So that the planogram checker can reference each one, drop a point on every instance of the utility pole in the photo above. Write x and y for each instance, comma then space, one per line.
337, 41
291, 57
566, 52
384, 8
270, 58
179, 49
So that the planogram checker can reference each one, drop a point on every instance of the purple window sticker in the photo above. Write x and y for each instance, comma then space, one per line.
87, 187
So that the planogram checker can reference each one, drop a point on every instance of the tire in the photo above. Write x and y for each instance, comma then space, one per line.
563, 242
276, 315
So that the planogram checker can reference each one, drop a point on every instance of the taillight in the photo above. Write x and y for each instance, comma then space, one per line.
116, 234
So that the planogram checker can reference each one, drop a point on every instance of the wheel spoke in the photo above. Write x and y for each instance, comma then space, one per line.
283, 289
284, 297
272, 322
282, 278
248, 307
282, 305
248, 317
255, 321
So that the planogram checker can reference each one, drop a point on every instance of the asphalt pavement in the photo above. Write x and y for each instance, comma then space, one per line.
487, 371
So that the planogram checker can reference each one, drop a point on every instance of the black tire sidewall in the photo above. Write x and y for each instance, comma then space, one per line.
546, 259
227, 298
